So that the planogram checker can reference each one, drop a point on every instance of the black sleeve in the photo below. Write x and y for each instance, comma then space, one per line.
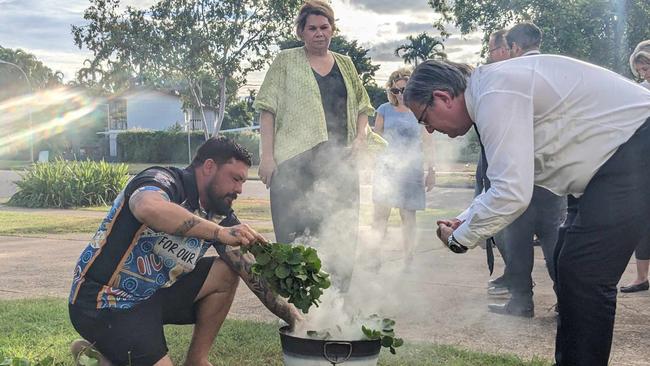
160, 177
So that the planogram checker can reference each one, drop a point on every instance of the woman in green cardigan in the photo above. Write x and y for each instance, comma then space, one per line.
314, 120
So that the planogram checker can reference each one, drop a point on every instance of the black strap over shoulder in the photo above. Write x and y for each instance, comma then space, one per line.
490, 243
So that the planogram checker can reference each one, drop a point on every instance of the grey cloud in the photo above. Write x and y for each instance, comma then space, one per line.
26, 28
403, 27
391, 6
385, 51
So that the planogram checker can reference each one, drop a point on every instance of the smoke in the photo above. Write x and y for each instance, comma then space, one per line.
367, 267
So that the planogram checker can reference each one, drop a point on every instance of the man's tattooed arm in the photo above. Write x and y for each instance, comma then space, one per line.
188, 224
242, 263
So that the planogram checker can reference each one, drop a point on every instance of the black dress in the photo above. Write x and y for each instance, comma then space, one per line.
317, 191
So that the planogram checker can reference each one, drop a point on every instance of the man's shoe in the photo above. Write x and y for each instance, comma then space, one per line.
509, 308
497, 282
498, 291
643, 286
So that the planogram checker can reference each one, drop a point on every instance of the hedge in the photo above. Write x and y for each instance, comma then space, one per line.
171, 147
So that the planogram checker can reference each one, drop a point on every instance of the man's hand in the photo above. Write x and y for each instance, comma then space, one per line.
446, 227
241, 234
266, 169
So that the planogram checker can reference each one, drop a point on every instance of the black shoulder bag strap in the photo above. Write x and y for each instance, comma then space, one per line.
489, 244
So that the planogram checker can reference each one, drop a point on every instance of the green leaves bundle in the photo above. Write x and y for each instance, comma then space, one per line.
293, 272
385, 334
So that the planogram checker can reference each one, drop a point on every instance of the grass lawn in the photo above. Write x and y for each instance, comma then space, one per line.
35, 329
135, 168
27, 223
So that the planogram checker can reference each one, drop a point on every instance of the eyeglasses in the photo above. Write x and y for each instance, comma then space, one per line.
424, 111
495, 48
396, 90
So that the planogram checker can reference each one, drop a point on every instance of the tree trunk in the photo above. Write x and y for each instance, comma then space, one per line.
200, 104
222, 105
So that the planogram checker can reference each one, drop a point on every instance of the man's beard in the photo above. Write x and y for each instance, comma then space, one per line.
218, 204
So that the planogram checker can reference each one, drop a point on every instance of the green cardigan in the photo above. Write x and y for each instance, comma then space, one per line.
290, 92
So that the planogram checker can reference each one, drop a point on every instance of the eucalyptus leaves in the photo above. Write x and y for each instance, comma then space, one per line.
293, 272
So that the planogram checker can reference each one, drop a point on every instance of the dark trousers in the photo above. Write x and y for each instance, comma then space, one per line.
612, 217
317, 193
542, 218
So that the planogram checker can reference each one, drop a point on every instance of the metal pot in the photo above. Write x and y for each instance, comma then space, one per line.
316, 352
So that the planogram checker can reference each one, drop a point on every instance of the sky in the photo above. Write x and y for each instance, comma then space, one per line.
42, 27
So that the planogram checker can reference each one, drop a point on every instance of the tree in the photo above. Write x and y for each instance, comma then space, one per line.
376, 94
603, 32
421, 47
238, 115
203, 42
12, 80
339, 44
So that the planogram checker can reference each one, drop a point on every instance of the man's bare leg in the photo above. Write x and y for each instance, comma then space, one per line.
213, 303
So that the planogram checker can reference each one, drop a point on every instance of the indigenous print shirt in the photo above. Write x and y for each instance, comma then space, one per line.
127, 262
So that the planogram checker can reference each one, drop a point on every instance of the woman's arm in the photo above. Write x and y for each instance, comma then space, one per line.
267, 161
379, 124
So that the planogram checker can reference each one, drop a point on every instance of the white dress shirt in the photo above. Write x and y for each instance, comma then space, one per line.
544, 120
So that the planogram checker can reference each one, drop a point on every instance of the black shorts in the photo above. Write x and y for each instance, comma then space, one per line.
135, 336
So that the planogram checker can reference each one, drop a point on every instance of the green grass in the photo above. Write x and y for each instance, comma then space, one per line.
27, 223
35, 329
135, 168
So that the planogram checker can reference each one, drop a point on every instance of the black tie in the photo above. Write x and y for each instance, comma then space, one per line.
486, 184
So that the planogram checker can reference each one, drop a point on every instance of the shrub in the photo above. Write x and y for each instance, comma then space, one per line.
171, 146
66, 184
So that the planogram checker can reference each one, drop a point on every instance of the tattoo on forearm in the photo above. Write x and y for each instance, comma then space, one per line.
186, 226
242, 263
233, 232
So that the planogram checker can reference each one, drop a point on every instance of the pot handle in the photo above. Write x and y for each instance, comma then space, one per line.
333, 358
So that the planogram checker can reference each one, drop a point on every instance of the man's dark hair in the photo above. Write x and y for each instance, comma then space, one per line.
436, 75
221, 150
499, 38
527, 35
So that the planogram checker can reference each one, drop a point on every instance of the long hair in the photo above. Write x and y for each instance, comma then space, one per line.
403, 73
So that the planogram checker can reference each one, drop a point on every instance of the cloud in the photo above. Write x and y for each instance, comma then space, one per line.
385, 51
391, 6
403, 27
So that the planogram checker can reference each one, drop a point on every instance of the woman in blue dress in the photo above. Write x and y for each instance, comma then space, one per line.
399, 179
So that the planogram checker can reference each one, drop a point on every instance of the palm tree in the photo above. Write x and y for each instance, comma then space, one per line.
421, 47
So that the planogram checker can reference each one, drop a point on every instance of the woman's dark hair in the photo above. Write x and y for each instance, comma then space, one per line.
221, 150
314, 7
436, 75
